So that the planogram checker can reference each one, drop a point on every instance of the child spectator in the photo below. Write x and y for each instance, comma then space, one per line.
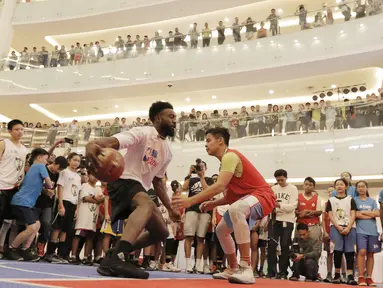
87, 215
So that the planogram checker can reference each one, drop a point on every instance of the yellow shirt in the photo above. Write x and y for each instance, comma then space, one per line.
231, 163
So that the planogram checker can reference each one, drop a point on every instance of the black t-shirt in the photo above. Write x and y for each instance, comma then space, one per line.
44, 201
195, 187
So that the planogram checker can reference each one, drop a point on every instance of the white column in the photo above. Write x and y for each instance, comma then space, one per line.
7, 8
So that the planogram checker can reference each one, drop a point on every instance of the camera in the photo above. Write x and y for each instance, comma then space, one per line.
197, 167
294, 250
170, 85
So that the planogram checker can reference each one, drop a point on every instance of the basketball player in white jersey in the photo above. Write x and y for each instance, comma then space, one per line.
12, 161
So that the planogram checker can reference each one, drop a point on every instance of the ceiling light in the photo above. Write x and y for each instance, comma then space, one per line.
187, 99
159, 31
213, 97
226, 19
271, 91
74, 110
121, 72
338, 1
333, 86
115, 106
280, 10
202, 71
173, 74
361, 25
191, 25
315, 38
296, 41
341, 31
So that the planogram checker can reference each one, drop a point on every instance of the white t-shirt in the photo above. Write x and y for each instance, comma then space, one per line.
287, 197
12, 164
147, 155
87, 214
71, 183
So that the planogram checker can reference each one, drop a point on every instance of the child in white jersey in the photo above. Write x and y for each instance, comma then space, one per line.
87, 215
68, 187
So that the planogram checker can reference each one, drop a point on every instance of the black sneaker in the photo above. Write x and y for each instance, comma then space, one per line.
30, 255
261, 274
54, 259
97, 261
87, 262
13, 254
351, 280
337, 279
74, 260
118, 267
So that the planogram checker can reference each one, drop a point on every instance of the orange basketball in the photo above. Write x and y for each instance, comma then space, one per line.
111, 165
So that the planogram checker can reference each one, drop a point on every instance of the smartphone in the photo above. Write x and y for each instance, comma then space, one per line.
68, 140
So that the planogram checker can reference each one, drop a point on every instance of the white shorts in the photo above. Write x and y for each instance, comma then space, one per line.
196, 223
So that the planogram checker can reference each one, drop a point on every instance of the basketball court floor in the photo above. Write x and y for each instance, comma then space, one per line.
26, 274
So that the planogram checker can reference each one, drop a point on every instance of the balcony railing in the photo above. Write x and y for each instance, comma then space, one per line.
250, 124
243, 31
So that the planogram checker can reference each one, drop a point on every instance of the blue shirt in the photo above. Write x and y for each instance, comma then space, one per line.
381, 196
351, 191
366, 226
31, 187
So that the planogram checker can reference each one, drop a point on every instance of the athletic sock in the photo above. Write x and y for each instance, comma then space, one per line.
51, 249
187, 262
122, 247
62, 249
245, 259
205, 262
198, 263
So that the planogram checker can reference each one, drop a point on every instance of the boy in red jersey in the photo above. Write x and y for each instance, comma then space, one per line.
250, 199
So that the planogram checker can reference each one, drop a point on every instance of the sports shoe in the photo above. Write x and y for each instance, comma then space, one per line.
74, 260
189, 268
282, 276
1, 255
225, 274
351, 280
152, 266
261, 274
370, 282
294, 277
206, 269
13, 254
337, 279
362, 281
244, 275
41, 249
171, 268
87, 262
55, 259
117, 266
30, 255
328, 279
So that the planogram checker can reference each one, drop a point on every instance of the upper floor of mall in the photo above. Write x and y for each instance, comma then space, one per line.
265, 51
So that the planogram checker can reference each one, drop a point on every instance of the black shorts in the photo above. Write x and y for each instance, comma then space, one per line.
64, 223
25, 215
152, 194
5, 204
121, 194
262, 243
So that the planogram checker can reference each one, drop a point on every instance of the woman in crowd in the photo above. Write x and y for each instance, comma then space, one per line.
342, 211
367, 236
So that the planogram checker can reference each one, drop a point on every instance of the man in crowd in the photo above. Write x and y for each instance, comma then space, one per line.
309, 208
305, 254
281, 229
196, 222
12, 160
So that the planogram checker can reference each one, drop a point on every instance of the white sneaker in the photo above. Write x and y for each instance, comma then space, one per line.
171, 268
199, 268
244, 275
189, 268
206, 269
153, 265
225, 274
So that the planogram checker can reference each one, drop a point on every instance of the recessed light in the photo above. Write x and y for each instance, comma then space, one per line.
315, 38
296, 41
226, 19
121, 72
271, 91
333, 86
341, 31
115, 106
191, 25
172, 74
202, 71
213, 97
74, 110
361, 25
159, 31
280, 10
187, 99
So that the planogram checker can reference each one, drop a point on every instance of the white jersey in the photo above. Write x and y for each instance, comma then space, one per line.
12, 164
87, 214
71, 183
147, 156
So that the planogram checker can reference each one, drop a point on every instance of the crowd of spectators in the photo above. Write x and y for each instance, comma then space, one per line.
272, 120
347, 220
134, 46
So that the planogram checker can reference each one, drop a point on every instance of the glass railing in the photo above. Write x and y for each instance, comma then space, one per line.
178, 42
255, 123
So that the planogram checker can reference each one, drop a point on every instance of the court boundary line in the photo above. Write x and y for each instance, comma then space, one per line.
29, 284
38, 272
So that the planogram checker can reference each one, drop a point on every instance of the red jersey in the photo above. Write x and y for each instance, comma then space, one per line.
251, 182
304, 204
